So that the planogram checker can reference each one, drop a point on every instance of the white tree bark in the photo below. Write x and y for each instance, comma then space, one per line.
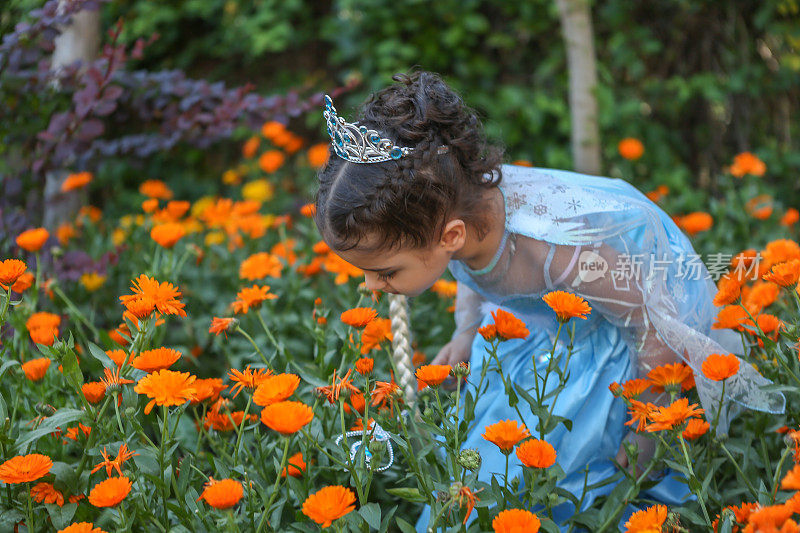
80, 41
576, 25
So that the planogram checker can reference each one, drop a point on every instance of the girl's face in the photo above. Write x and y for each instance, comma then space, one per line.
408, 271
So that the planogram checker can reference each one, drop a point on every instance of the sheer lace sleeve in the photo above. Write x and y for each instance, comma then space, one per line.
468, 312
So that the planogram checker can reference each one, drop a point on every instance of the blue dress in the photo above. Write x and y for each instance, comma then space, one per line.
559, 227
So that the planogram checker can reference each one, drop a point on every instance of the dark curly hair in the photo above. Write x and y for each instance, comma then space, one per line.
406, 202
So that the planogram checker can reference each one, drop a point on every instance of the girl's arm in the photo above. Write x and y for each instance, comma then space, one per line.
468, 317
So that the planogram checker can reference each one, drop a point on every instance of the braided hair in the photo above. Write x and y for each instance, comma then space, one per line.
407, 201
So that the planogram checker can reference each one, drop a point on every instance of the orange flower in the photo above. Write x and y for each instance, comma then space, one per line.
536, 453
296, 466
113, 381
647, 520
318, 155
259, 266
222, 494
251, 297
157, 359
24, 468
166, 387
270, 161
784, 274
375, 333
32, 240
164, 294
791, 481
640, 413
249, 379
384, 392
514, 520
672, 415
208, 389
763, 294
630, 148
329, 504
275, 389
508, 326
250, 147
94, 391
695, 428
506, 434
445, 288
728, 290
77, 431
567, 305
747, 163
43, 320
669, 376
114, 464
634, 387
35, 369
110, 492
77, 180
10, 271
220, 325
46, 493
116, 335
308, 210
790, 217
343, 270
365, 365
694, 223
770, 518
759, 207
431, 375
718, 366
730, 317
81, 527
24, 283
286, 417
167, 235
522, 163
332, 391
488, 332
118, 356
155, 189
781, 250
359, 317
272, 129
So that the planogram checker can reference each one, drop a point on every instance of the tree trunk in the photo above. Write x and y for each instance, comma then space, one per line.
576, 24
80, 41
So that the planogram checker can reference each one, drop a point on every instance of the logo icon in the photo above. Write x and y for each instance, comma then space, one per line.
591, 266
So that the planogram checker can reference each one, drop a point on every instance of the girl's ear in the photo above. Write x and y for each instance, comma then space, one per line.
454, 235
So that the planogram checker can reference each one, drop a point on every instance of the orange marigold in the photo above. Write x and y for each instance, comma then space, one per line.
77, 180
114, 464
719, 366
46, 493
222, 494
155, 189
784, 274
249, 378
358, 317
375, 333
431, 375
669, 376
747, 163
286, 417
94, 391
536, 453
515, 520
343, 270
567, 305
222, 325
10, 271
166, 387
318, 155
445, 288
730, 317
694, 223
790, 217
24, 283
647, 520
251, 297
113, 381
208, 389
271, 160
24, 468
488, 332
81, 527
35, 369
509, 326
296, 466
695, 428
791, 481
260, 265
275, 389
110, 492
32, 240
164, 294
365, 365
728, 291
781, 250
308, 210
250, 147
168, 235
329, 504
633, 388
672, 415
506, 434
157, 359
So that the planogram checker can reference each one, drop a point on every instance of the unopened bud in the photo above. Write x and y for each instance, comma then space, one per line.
455, 488
469, 459
461, 370
45, 409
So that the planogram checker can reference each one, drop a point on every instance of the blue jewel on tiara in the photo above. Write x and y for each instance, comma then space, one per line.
357, 144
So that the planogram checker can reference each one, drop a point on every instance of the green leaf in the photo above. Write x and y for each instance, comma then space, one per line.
61, 516
404, 526
407, 493
99, 354
6, 366
61, 418
371, 513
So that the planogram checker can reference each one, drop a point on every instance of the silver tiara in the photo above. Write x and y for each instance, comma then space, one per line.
358, 144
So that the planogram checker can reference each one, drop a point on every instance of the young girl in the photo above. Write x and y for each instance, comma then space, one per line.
412, 189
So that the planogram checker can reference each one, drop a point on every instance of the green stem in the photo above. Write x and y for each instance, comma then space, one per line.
721, 399
752, 489
277, 482
161, 453
691, 473
76, 312
30, 508
249, 338
6, 302
92, 436
241, 430
271, 337
778, 473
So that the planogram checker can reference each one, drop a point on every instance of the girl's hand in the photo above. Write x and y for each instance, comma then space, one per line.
456, 351
647, 448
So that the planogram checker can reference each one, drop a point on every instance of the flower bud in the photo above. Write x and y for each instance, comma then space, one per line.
45, 409
469, 459
455, 488
461, 370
